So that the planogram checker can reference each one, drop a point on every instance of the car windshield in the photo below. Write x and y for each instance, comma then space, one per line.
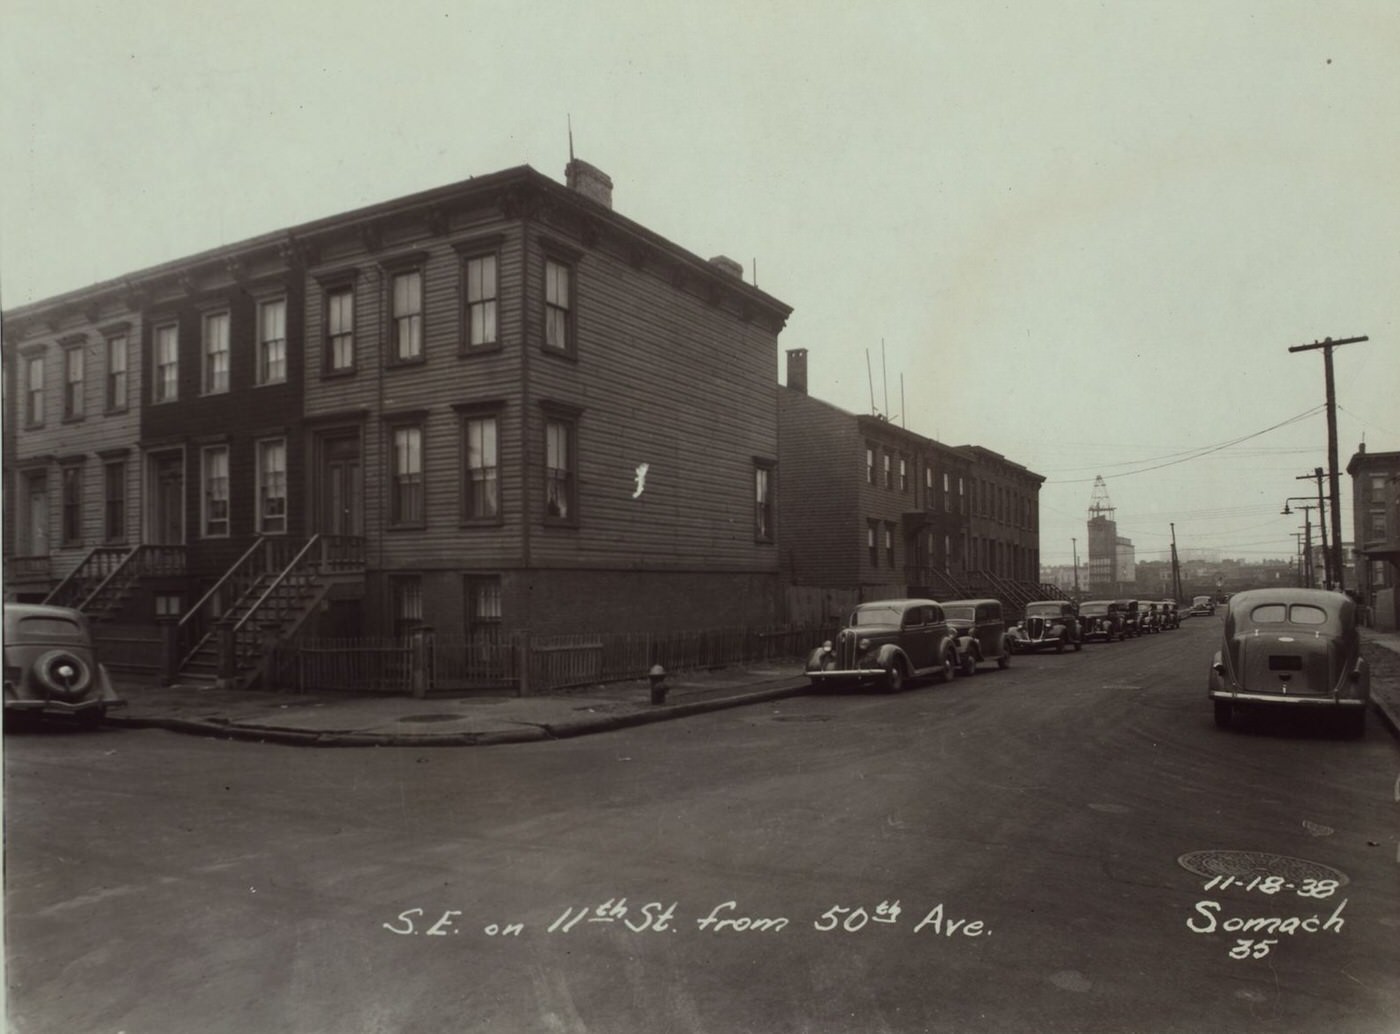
960, 613
876, 616
1279, 613
42, 627
1094, 609
1050, 611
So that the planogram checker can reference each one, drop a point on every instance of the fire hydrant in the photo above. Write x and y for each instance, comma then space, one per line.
657, 676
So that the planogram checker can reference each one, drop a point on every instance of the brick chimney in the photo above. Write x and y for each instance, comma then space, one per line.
725, 264
589, 181
797, 369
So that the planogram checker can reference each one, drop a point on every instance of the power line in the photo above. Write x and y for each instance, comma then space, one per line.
1204, 452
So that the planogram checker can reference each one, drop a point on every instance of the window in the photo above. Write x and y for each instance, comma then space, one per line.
481, 301
406, 477
947, 552
869, 465
903, 474
408, 316
114, 501
407, 593
870, 543
168, 605
166, 384
214, 496
928, 483
558, 306
34, 390
116, 373
72, 529
216, 353
272, 341
763, 503
340, 329
483, 594
481, 481
889, 544
948, 493
559, 469
272, 486
962, 499
889, 476
73, 383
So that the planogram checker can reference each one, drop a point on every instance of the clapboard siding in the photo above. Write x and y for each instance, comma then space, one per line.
664, 378
79, 443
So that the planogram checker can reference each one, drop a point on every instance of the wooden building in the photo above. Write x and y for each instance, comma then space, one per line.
494, 406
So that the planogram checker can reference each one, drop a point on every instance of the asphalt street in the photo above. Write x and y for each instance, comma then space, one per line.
1067, 845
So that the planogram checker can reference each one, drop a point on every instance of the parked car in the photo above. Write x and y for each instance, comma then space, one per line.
1149, 617
1295, 648
887, 643
980, 632
1101, 619
1047, 623
51, 665
1132, 617
1202, 606
1171, 614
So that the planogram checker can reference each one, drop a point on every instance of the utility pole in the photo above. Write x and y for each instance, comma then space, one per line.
1074, 548
1327, 344
1176, 568
1329, 572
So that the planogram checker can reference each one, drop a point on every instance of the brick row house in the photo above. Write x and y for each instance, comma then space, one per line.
1375, 488
885, 512
493, 406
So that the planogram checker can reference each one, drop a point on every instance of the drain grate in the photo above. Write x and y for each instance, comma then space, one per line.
1258, 863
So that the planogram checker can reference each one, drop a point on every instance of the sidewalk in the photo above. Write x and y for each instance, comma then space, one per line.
342, 720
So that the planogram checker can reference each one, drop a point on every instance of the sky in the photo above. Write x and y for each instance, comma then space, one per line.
1082, 234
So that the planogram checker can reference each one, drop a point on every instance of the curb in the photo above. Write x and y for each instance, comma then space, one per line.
221, 729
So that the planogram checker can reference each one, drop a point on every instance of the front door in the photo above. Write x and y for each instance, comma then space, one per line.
341, 488
168, 498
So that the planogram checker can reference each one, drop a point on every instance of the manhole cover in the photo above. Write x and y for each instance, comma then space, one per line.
803, 718
1258, 863
431, 718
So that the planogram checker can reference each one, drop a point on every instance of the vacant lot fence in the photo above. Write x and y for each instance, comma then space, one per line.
425, 662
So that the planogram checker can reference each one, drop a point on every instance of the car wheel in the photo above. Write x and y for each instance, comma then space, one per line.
968, 664
1224, 714
894, 678
949, 666
1004, 660
1060, 646
1078, 645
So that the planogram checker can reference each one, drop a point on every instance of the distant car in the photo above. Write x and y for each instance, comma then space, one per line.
1291, 648
1132, 617
1048, 623
51, 665
1101, 619
980, 631
1171, 614
1150, 616
886, 643
1202, 606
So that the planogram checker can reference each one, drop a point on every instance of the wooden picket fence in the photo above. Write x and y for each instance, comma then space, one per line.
428, 663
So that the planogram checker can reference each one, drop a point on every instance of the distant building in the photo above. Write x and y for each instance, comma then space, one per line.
1375, 495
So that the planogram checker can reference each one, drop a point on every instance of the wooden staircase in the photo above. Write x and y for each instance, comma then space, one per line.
262, 601
102, 584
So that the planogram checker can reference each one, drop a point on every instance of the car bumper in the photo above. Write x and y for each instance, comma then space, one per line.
1287, 699
849, 676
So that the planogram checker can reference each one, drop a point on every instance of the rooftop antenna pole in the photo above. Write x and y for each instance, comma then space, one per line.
903, 417
884, 379
571, 137
870, 381
755, 271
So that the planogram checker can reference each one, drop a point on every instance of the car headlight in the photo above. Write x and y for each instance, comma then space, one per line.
864, 644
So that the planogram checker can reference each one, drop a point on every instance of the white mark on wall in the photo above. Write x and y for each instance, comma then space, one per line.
641, 480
